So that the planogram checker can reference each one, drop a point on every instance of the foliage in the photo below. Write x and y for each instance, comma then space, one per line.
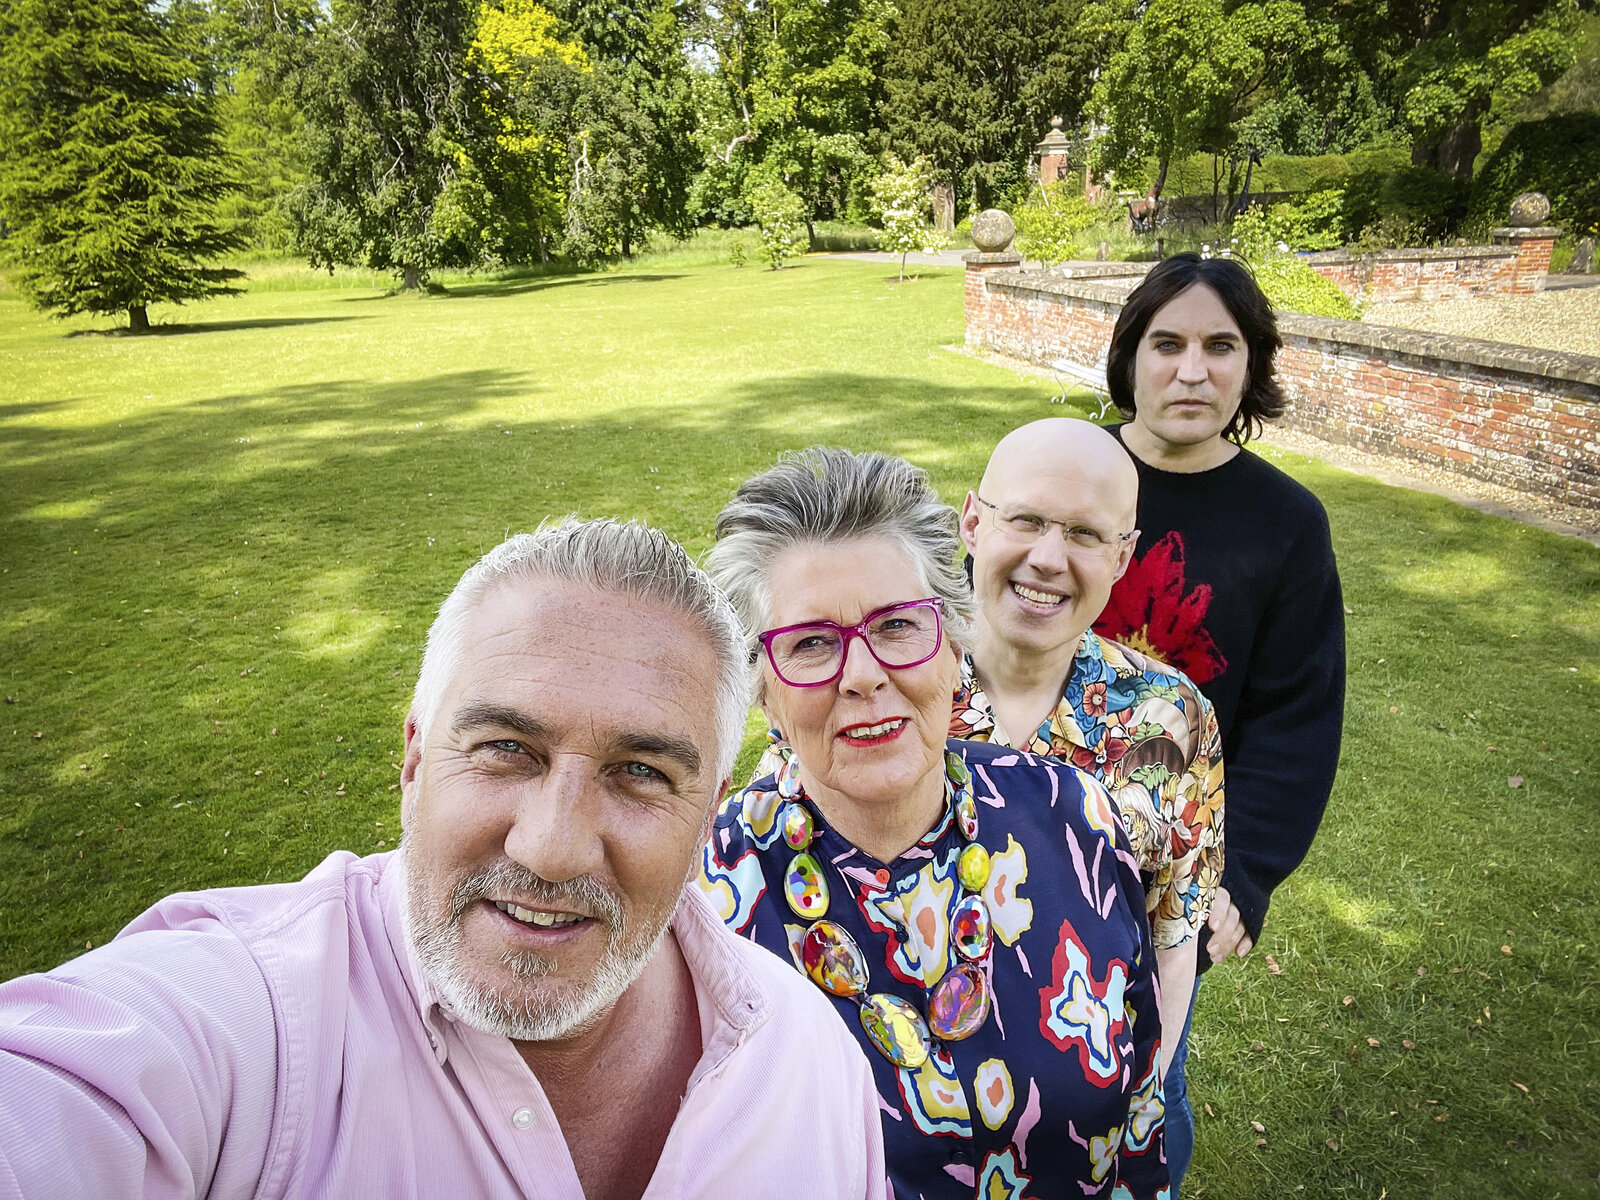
781, 217
1314, 221
1559, 156
1049, 225
630, 126
111, 167
1166, 91
1415, 203
793, 96
1451, 67
389, 124
1289, 282
526, 167
900, 202
323, 458
975, 116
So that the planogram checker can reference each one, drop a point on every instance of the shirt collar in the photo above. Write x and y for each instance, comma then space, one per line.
1063, 721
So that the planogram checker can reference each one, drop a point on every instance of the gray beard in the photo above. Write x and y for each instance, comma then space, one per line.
524, 1014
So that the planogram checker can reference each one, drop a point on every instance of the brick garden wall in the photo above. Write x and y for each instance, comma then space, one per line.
1523, 418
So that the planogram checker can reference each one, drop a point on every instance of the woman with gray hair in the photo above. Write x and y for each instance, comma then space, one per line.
975, 914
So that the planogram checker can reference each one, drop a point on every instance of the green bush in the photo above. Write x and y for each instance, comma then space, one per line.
1049, 224
1314, 221
1559, 156
1289, 282
781, 218
1276, 172
1404, 207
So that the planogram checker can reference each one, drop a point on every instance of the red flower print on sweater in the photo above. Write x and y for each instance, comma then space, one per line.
1151, 611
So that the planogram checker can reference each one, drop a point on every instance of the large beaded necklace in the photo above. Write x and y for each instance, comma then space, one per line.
959, 1003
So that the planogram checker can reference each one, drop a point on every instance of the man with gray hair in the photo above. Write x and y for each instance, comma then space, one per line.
523, 1000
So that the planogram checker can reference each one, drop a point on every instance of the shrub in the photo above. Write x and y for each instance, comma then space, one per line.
1315, 221
1049, 224
1289, 282
1559, 156
781, 218
1404, 207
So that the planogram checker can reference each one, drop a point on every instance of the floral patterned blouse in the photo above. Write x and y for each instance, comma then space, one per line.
1055, 1094
1146, 733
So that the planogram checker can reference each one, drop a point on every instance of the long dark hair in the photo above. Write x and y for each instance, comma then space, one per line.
1241, 295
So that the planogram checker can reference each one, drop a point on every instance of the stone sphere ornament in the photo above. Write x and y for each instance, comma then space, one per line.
992, 230
1527, 210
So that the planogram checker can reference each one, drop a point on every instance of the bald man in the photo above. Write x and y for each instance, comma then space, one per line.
1049, 530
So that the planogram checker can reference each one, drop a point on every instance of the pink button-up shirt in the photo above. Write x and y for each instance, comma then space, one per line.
283, 1041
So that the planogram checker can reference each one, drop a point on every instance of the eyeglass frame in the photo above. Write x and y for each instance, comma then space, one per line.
1116, 542
859, 630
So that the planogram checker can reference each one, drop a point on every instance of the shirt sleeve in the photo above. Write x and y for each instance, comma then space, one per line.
1141, 1155
144, 1068
1285, 740
1193, 812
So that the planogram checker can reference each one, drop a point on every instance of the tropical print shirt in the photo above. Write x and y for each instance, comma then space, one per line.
1146, 733
1056, 1093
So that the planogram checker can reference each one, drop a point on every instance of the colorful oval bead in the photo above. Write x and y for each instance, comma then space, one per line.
798, 828
805, 888
788, 780
833, 960
896, 1029
955, 770
972, 867
959, 1006
967, 814
971, 930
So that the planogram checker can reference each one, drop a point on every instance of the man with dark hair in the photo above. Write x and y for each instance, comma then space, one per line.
1233, 582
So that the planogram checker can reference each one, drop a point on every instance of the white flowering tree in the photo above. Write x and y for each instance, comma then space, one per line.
900, 201
782, 219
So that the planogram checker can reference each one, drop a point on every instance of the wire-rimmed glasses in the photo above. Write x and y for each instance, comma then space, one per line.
812, 653
1026, 526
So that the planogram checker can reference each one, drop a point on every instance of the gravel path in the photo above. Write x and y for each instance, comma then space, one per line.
1556, 320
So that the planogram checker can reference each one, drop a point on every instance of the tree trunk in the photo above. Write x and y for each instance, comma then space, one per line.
1161, 177
410, 279
1237, 209
902, 266
627, 243
1456, 148
138, 318
811, 233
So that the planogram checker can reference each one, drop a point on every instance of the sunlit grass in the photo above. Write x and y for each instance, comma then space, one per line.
220, 548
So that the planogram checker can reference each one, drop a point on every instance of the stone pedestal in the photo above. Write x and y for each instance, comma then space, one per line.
1533, 246
1052, 154
979, 265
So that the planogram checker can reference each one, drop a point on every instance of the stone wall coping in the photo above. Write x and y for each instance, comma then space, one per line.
1526, 234
1440, 254
1060, 285
1000, 256
1527, 360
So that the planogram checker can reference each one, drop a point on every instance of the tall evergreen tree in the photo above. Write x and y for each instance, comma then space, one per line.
388, 102
110, 162
971, 85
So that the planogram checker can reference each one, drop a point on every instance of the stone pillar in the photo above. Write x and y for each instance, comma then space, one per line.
1531, 239
992, 231
979, 265
1052, 154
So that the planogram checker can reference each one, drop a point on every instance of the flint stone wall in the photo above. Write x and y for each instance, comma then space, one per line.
1515, 416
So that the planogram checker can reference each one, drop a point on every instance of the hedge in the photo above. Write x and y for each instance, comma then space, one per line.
1559, 156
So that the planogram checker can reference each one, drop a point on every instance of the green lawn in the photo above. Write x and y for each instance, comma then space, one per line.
220, 549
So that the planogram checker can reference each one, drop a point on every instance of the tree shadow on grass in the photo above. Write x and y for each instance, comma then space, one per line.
179, 329
520, 287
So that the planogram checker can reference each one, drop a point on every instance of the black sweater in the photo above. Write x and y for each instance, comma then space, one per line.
1234, 583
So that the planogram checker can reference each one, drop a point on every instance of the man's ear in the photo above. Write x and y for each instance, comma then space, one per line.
969, 523
1125, 555
409, 767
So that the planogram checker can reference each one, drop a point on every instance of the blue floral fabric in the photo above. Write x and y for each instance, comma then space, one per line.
1056, 1094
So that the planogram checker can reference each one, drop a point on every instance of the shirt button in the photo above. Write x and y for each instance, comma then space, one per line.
522, 1118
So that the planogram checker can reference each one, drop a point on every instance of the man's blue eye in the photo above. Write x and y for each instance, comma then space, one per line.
507, 746
641, 770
